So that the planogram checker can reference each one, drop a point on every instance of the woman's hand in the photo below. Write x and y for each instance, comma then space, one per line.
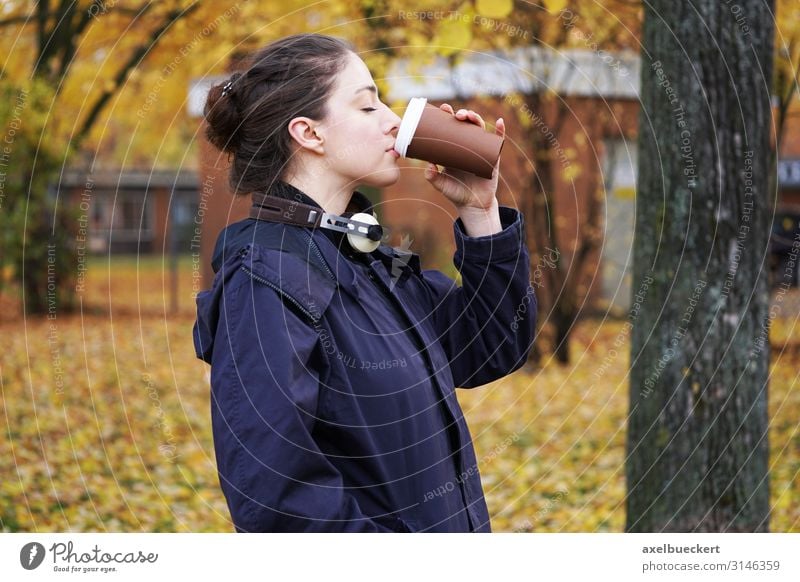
464, 189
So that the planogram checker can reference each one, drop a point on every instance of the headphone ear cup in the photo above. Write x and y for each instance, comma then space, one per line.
362, 243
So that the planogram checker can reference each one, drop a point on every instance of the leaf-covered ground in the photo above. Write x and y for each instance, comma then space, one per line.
106, 421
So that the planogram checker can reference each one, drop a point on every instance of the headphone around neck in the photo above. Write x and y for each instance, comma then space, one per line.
364, 233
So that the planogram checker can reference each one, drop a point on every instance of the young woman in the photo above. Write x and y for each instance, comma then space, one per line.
332, 369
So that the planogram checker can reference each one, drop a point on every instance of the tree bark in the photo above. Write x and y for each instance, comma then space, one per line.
697, 433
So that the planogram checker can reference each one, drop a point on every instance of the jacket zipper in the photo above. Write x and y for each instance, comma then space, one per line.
322, 261
420, 341
283, 294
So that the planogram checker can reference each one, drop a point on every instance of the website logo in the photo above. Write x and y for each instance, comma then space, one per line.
31, 555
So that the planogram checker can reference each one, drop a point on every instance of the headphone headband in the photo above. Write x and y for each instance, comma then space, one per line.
361, 225
275, 209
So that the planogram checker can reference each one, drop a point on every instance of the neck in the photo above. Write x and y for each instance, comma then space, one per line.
331, 195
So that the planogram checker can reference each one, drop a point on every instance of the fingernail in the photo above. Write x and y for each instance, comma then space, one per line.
461, 111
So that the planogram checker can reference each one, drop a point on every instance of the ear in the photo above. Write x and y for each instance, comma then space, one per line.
304, 131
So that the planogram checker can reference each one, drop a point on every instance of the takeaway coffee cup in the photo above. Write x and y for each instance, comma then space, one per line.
431, 134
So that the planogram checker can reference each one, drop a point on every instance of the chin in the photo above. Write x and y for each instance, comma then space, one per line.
382, 178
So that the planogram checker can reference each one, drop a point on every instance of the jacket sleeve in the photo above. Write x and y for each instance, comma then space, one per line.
265, 378
486, 326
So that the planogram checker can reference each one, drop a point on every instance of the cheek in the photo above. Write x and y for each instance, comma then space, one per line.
358, 147
366, 135
362, 144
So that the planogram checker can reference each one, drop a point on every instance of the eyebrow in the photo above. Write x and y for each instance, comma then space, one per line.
372, 88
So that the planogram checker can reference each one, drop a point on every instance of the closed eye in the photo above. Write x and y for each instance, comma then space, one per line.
369, 109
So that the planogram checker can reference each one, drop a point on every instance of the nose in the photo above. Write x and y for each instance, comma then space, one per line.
394, 123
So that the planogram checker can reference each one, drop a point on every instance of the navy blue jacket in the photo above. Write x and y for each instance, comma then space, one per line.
333, 374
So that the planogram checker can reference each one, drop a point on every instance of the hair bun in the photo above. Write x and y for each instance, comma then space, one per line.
247, 115
222, 114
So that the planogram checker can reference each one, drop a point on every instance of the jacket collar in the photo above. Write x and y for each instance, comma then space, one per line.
389, 256
358, 201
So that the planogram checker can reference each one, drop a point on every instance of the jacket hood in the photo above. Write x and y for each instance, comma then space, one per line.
276, 255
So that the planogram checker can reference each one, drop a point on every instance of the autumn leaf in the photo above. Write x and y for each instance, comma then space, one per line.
453, 35
555, 6
115, 435
494, 8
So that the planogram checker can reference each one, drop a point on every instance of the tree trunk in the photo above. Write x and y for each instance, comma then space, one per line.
561, 277
697, 433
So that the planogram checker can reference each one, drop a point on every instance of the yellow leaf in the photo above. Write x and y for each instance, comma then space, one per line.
625, 193
494, 8
571, 172
554, 6
453, 35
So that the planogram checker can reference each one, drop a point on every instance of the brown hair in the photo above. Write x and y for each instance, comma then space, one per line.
247, 115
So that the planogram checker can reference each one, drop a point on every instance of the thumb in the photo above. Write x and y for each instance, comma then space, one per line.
434, 176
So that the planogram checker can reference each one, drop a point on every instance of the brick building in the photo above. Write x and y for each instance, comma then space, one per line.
132, 211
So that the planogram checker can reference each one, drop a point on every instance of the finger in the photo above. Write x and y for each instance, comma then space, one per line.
434, 176
475, 118
446, 107
470, 115
500, 127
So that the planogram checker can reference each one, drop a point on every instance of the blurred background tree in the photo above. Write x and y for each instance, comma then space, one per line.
87, 63
58, 105
37, 250
787, 64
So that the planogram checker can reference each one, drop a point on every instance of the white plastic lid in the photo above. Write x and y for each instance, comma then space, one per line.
408, 126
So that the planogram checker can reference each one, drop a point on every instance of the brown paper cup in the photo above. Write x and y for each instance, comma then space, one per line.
442, 139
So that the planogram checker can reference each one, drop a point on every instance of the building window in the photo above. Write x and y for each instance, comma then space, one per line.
122, 221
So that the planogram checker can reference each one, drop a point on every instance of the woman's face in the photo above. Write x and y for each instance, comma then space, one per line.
359, 130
